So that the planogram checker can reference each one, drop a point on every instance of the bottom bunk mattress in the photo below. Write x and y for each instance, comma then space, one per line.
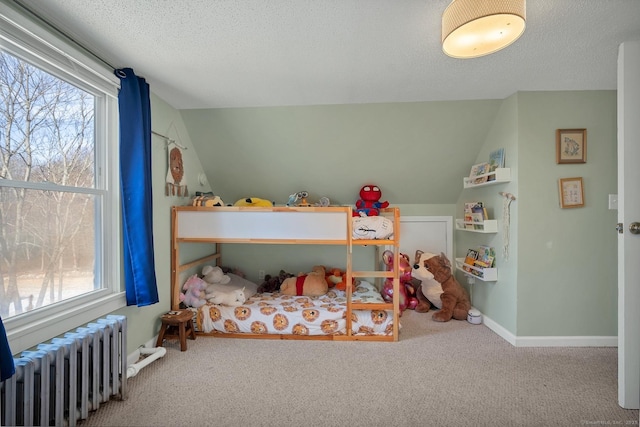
273, 313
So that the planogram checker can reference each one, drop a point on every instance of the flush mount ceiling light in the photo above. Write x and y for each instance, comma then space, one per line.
473, 28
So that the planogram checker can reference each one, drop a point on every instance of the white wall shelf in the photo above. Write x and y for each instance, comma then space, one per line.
484, 274
486, 226
498, 176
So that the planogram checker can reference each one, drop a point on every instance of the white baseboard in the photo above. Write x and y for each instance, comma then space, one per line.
498, 329
550, 341
578, 341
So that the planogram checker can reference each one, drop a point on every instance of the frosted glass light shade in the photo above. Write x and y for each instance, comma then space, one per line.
473, 28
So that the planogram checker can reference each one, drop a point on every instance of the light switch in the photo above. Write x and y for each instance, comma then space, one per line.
613, 201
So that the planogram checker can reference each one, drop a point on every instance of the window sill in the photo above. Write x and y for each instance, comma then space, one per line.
24, 336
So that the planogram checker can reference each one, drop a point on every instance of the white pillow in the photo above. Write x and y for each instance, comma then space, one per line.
236, 282
372, 227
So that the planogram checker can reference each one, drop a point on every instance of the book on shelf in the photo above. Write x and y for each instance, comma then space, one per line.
486, 257
468, 222
472, 255
468, 211
480, 209
478, 220
470, 259
468, 206
485, 262
496, 160
474, 215
477, 170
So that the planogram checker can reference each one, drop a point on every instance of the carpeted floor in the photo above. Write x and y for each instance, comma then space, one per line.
438, 374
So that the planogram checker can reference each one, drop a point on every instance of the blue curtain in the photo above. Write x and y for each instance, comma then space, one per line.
135, 186
7, 368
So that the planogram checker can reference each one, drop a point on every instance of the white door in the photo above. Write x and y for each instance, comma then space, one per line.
628, 213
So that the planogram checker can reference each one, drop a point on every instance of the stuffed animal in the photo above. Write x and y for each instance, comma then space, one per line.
311, 284
215, 279
407, 289
207, 199
299, 199
232, 270
369, 203
272, 284
429, 290
333, 277
232, 298
323, 202
337, 278
439, 287
254, 202
194, 290
214, 275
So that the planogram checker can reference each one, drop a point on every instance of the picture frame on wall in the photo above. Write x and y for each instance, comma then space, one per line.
571, 192
571, 146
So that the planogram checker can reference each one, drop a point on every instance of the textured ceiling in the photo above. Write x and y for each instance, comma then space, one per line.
227, 53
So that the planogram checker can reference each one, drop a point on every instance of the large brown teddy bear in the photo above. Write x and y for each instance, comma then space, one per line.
312, 284
439, 287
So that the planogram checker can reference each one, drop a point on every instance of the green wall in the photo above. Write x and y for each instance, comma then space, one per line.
496, 300
144, 322
567, 258
411, 150
560, 278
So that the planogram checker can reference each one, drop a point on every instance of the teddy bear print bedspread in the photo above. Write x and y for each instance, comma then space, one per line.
272, 313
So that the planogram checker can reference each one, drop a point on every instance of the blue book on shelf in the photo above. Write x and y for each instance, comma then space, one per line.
496, 159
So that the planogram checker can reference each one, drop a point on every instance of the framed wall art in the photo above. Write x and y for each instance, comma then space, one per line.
571, 146
571, 192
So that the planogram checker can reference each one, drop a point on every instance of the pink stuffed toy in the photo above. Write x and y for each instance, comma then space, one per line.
194, 289
407, 291
369, 203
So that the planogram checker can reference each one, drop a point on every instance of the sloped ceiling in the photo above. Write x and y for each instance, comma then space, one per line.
416, 152
223, 53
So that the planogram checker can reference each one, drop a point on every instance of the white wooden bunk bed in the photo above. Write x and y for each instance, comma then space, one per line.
296, 226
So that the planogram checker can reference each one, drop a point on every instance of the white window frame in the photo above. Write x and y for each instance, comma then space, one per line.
25, 37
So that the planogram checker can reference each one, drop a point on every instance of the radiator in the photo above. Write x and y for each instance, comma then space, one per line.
60, 382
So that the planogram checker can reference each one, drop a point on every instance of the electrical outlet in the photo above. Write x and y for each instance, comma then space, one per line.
260, 274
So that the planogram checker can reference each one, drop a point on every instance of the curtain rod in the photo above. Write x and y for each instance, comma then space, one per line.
62, 33
168, 140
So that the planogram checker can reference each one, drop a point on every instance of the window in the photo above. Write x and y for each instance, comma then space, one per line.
59, 211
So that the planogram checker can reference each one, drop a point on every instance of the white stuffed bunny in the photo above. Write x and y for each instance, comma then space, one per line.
233, 298
216, 280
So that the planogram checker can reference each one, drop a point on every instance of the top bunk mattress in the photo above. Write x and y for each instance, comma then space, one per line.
321, 225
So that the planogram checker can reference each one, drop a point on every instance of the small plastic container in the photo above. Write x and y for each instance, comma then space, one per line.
474, 317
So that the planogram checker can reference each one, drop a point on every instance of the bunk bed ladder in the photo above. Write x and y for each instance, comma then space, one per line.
394, 275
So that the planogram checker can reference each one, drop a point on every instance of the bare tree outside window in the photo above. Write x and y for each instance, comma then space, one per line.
48, 196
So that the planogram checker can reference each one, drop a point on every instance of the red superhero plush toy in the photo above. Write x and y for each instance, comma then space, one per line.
369, 203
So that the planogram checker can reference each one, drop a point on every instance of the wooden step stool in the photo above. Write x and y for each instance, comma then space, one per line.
176, 324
